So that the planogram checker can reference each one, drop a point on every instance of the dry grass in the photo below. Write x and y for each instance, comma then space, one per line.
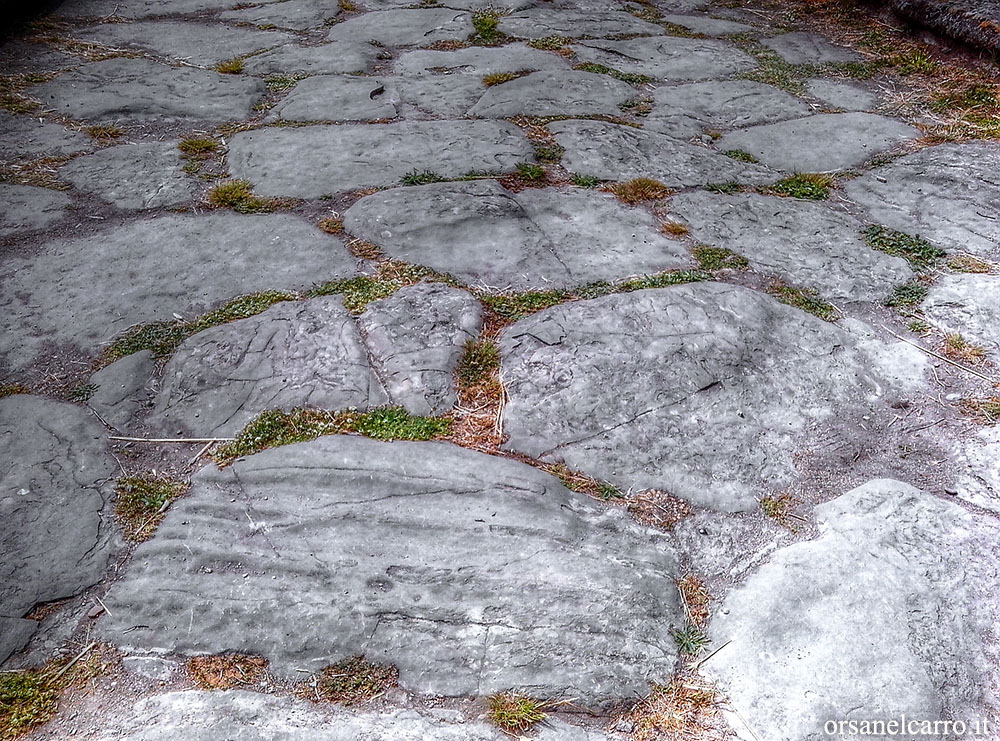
104, 132
984, 411
956, 347
581, 483
332, 226
969, 264
779, 508
141, 501
638, 190
352, 681
686, 709
226, 671
657, 508
675, 229
499, 78
230, 66
515, 713
695, 597
363, 249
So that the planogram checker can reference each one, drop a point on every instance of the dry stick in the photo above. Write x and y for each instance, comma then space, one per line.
697, 666
939, 356
160, 511
173, 439
103, 605
70, 664
201, 453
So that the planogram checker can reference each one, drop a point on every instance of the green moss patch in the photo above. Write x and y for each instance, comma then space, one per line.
354, 681
600, 69
719, 258
809, 186
238, 195
803, 298
26, 701
920, 253
487, 31
141, 501
907, 295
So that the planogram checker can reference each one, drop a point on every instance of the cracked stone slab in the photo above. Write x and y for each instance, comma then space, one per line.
890, 611
537, 23
688, 110
200, 44
416, 338
968, 304
300, 15
338, 57
295, 354
55, 505
707, 25
27, 208
614, 152
123, 388
420, 555
480, 232
86, 291
800, 47
25, 137
704, 390
143, 89
238, 715
478, 60
947, 194
842, 95
348, 157
821, 143
806, 243
978, 479
569, 93
133, 176
668, 57
407, 27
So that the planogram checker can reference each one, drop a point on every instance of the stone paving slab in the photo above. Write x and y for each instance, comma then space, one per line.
133, 176
946, 194
882, 615
416, 554
324, 59
539, 22
300, 15
821, 143
807, 244
482, 233
842, 95
24, 138
707, 25
704, 390
978, 459
409, 27
86, 291
362, 156
968, 304
799, 47
668, 57
478, 60
139, 8
123, 389
27, 208
25, 57
614, 152
561, 93
54, 503
143, 89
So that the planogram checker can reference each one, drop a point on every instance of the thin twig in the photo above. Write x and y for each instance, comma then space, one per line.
201, 452
103, 605
173, 439
939, 356
699, 664
160, 511
70, 664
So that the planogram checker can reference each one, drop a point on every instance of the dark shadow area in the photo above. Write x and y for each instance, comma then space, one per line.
14, 16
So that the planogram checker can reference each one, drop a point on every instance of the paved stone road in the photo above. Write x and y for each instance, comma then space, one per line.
685, 319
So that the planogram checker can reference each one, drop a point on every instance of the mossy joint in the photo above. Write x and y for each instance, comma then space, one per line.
639, 190
806, 299
719, 258
804, 185
921, 254
353, 681
142, 500
515, 713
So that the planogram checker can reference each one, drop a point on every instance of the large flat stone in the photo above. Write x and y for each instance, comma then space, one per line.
968, 304
704, 390
668, 57
338, 57
123, 389
459, 568
568, 93
891, 611
25, 137
821, 143
300, 15
143, 89
978, 478
806, 243
481, 232
99, 9
478, 60
613, 152
14, 635
801, 47
842, 95
687, 110
407, 27
54, 503
947, 194
27, 208
707, 25
295, 354
539, 22
345, 158
133, 176
201, 44
86, 291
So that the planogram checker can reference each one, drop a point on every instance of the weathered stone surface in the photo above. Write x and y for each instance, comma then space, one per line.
539, 22
57, 533
133, 176
23, 137
704, 390
86, 291
143, 89
968, 304
478, 60
946, 194
416, 338
408, 27
27, 208
668, 57
978, 479
151, 667
821, 143
726, 547
348, 157
707, 25
14, 635
799, 47
688, 110
99, 9
417, 554
325, 59
884, 614
201, 44
613, 152
804, 242
843, 95
569, 93
18, 57
300, 15
295, 354
123, 388
481, 232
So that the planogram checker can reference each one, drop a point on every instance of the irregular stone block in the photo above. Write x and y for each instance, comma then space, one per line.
14, 635
841, 95
100, 9
123, 388
421, 555
537, 238
706, 24
800, 47
968, 304
300, 15
978, 459
343, 158
478, 60
668, 57
880, 616
27, 208
568, 93
703, 390
821, 143
539, 22
409, 27
325, 59
24, 137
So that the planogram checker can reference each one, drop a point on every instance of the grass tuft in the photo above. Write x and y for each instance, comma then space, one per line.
82, 393
586, 181
675, 229
803, 298
232, 66
515, 713
530, 172
779, 508
26, 701
738, 154
424, 177
332, 226
719, 258
104, 132
907, 295
984, 411
914, 62
969, 264
638, 190
354, 681
810, 186
690, 639
499, 78
920, 253
480, 361
238, 195
487, 31
682, 709
141, 502
199, 147
227, 671
956, 347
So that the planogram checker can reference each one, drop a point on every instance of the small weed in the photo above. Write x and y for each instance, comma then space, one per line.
480, 360
530, 172
82, 393
956, 347
347, 6
551, 43
586, 181
638, 190
232, 66
803, 298
26, 701
487, 32
658, 280
141, 501
424, 177
690, 639
920, 253
600, 69
719, 258
360, 291
645, 13
739, 154
583, 484
226, 671
683, 709
550, 153
353, 681
281, 83
969, 264
675, 229
104, 132
907, 295
779, 508
984, 411
637, 106
725, 188
914, 62
238, 195
395, 423
516, 306
514, 713
920, 327
499, 78
809, 186
332, 226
